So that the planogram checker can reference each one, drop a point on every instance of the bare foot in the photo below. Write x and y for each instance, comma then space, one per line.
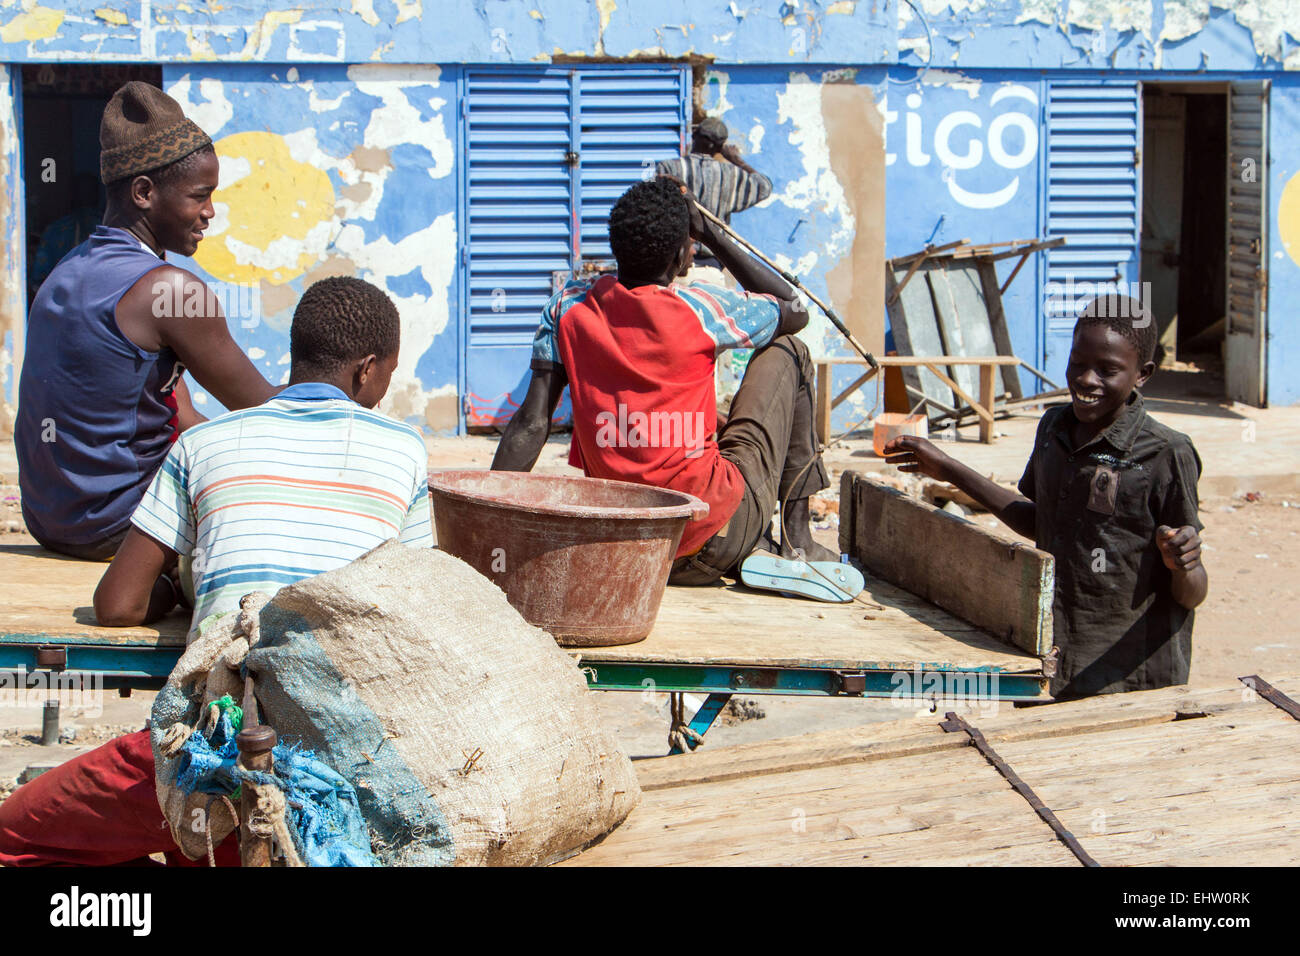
797, 534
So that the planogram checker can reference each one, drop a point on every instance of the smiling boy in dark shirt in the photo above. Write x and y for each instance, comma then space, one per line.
1111, 494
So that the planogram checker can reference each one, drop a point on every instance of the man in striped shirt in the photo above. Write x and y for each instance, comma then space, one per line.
715, 172
259, 498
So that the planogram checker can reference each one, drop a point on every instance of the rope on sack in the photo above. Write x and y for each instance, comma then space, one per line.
269, 819
207, 823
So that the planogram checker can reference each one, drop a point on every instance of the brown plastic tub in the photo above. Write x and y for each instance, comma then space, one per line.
584, 558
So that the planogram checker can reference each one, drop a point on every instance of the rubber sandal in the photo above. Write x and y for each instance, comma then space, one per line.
828, 581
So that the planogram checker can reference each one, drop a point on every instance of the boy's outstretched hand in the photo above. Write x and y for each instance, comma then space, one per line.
913, 454
1179, 547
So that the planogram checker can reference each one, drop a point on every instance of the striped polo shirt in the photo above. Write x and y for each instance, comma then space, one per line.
305, 483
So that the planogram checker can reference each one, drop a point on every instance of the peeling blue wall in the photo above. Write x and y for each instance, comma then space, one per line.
986, 59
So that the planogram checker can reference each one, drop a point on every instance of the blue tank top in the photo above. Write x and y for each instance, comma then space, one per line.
95, 411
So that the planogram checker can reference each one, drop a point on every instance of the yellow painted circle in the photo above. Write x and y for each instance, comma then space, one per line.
275, 197
1288, 218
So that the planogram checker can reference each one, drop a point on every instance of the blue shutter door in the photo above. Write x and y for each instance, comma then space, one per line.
1093, 198
630, 119
519, 215
548, 152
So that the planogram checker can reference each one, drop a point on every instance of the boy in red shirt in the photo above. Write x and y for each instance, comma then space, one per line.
638, 354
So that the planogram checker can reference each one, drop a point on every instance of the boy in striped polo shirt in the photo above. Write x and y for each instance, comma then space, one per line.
304, 483
258, 498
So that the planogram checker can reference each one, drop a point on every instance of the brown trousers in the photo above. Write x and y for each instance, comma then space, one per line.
770, 437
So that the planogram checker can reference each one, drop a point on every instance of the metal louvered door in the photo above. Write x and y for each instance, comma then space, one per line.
1093, 198
630, 119
518, 224
1247, 255
547, 153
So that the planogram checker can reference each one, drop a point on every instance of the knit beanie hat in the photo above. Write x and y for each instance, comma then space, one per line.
144, 128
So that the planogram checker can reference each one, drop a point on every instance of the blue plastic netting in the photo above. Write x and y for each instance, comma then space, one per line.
323, 815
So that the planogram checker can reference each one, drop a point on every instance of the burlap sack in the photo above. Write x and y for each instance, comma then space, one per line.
469, 735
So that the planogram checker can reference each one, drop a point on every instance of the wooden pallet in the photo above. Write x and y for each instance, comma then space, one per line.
1185, 777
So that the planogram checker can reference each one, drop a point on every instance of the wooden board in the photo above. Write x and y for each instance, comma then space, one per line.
733, 625
1000, 586
988, 282
48, 595
1179, 776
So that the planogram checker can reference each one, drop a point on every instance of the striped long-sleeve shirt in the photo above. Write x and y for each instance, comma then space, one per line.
305, 483
721, 187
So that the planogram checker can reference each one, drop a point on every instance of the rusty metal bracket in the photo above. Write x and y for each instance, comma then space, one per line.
1271, 694
953, 724
852, 683
1051, 661
52, 656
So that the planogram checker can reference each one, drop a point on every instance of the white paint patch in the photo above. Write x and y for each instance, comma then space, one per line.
397, 121
284, 359
212, 114
952, 80
255, 353
717, 80
433, 252
219, 222
231, 169
200, 398
756, 139
818, 191
319, 105
284, 252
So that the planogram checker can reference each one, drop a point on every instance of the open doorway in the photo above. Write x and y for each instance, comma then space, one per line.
62, 107
1184, 233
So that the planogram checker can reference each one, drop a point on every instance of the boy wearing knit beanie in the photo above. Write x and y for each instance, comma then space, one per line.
101, 398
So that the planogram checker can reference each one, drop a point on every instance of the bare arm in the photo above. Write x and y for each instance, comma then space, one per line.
752, 275
526, 434
912, 454
171, 307
186, 415
136, 589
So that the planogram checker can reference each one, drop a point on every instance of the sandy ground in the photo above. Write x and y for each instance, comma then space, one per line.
1247, 625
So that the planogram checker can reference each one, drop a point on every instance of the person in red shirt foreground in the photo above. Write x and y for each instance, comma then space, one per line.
638, 353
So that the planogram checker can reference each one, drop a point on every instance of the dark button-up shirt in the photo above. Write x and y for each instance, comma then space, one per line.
1115, 620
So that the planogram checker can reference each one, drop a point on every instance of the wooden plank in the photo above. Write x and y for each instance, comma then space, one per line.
886, 361
47, 597
824, 375
47, 593
866, 814
732, 625
1182, 776
1000, 586
998, 324
986, 399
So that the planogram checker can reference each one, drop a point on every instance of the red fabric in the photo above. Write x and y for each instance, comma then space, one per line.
640, 371
98, 809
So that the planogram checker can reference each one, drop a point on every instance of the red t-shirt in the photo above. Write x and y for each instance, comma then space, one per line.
640, 364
